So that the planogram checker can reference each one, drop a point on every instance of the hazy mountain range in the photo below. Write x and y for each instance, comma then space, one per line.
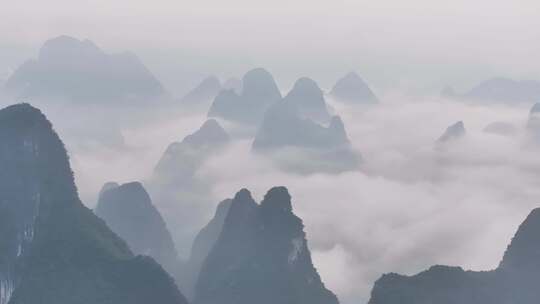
361, 167
78, 71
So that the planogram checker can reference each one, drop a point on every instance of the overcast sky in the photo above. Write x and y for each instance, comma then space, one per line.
415, 44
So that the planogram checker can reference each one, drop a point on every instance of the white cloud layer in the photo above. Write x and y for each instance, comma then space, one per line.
414, 204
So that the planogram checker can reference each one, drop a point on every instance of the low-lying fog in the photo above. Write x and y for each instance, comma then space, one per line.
414, 203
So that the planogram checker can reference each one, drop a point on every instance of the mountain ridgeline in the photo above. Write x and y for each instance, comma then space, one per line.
202, 95
352, 89
128, 211
299, 144
453, 132
52, 248
500, 90
514, 281
308, 98
177, 188
259, 91
79, 71
261, 256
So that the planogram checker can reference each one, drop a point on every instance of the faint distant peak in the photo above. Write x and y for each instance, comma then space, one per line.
353, 89
210, 132
454, 131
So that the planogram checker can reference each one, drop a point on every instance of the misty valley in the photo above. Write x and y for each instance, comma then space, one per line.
251, 189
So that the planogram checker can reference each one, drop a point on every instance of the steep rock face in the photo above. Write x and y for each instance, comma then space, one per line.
202, 95
261, 256
259, 91
453, 132
128, 211
308, 98
203, 243
504, 90
514, 281
53, 249
79, 71
354, 90
176, 189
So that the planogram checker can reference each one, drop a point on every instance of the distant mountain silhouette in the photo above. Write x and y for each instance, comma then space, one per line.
52, 248
182, 159
284, 131
259, 91
514, 281
283, 126
201, 97
176, 188
308, 98
453, 132
79, 71
354, 90
128, 211
501, 128
504, 90
203, 243
261, 256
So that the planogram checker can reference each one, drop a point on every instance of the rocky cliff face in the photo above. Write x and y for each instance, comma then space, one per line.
261, 256
514, 281
52, 248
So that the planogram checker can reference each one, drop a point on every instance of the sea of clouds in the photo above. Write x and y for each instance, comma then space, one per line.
414, 203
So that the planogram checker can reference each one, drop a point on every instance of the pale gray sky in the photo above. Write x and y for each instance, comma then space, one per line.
419, 44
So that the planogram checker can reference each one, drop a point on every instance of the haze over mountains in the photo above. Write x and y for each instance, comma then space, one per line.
501, 90
128, 211
453, 132
201, 96
284, 130
259, 91
178, 189
53, 248
514, 281
352, 89
392, 208
79, 71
